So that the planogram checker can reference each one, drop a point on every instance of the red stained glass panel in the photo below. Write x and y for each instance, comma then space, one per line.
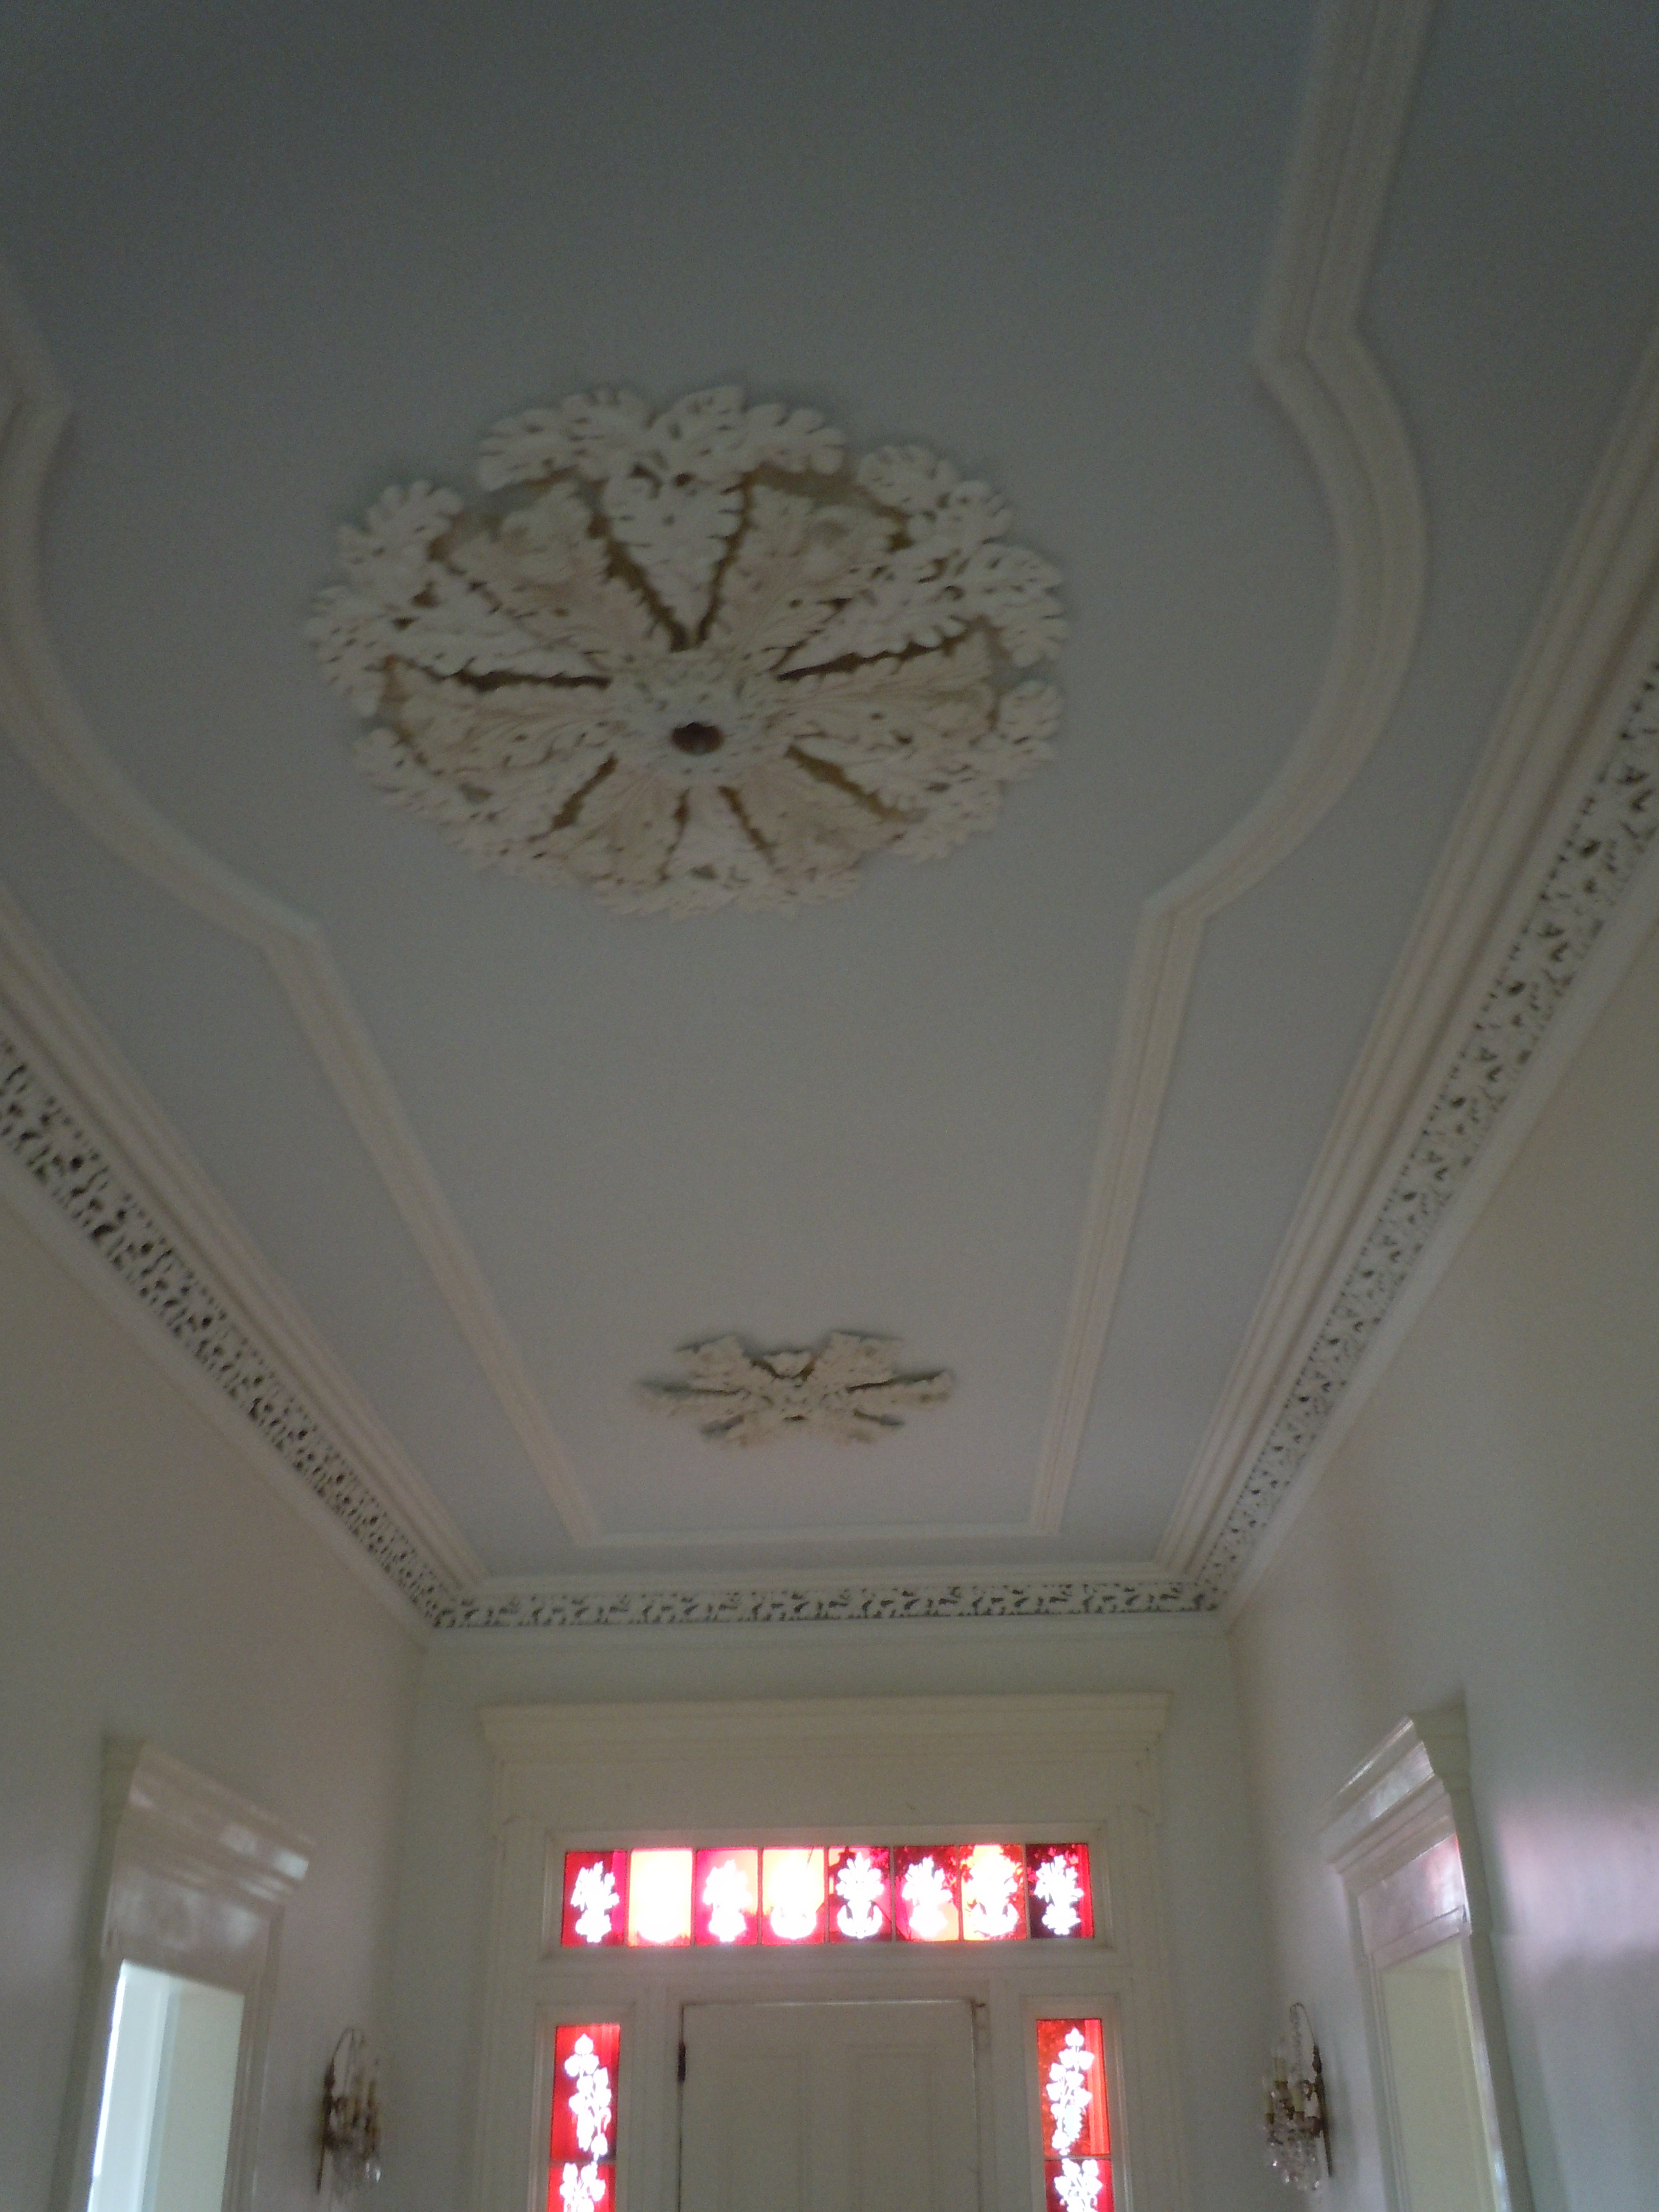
725, 1898
582, 2144
1072, 2089
860, 1882
595, 1898
1061, 1892
929, 1904
793, 1896
658, 1897
1077, 2185
993, 1877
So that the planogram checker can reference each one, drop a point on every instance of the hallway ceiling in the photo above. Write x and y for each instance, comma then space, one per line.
281, 258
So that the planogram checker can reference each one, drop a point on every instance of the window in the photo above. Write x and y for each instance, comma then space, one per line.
1401, 1835
812, 1894
740, 1894
581, 2163
1077, 2135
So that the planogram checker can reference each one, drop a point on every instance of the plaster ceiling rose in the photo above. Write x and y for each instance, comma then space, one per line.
695, 658
848, 1389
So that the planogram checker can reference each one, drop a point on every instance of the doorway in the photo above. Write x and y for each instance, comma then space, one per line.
829, 2107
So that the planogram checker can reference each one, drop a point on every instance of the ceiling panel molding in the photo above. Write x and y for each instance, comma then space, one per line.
1311, 353
95, 1154
1550, 844
44, 721
63, 1073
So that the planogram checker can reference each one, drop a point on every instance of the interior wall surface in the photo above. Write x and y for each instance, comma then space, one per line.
1211, 1899
153, 1584
1489, 1529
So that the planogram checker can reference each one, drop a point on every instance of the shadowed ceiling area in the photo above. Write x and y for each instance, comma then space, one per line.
1294, 346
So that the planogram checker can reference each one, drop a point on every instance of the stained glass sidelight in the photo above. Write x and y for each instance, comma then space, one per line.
581, 2161
1062, 1895
861, 1879
595, 1897
992, 1894
660, 1897
928, 1909
793, 1895
726, 1897
1077, 2136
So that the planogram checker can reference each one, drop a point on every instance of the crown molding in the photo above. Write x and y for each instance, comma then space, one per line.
44, 721
761, 1600
1311, 353
47, 1021
1550, 840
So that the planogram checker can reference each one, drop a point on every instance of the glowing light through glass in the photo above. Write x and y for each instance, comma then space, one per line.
1077, 2135
581, 2161
660, 1897
739, 1894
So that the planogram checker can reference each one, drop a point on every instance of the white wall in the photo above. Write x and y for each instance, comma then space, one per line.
153, 1584
1211, 1895
1490, 1526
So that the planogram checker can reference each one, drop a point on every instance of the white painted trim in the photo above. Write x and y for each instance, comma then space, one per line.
63, 1243
192, 1880
1078, 1592
1590, 646
45, 1013
1402, 1834
46, 723
1310, 353
1615, 954
1083, 1765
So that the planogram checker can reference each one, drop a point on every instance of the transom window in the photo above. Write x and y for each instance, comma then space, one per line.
739, 1894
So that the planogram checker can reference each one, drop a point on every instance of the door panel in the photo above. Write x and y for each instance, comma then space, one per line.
830, 2108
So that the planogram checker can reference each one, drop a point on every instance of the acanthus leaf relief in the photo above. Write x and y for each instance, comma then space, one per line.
848, 1388
694, 658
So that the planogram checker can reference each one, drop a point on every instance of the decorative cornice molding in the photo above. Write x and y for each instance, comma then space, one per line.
1554, 829
63, 1158
41, 715
79, 1065
1614, 830
1311, 354
742, 1599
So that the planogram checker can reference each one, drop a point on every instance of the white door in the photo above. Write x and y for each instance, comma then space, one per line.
830, 2108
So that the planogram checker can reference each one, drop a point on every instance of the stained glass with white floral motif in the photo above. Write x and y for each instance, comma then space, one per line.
859, 1877
1077, 2136
582, 2144
1062, 1894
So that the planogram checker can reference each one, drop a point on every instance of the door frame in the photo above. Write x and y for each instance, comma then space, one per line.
936, 1770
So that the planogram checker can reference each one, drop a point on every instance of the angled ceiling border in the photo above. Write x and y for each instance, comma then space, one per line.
93, 1165
1309, 353
47, 726
47, 1030
1542, 895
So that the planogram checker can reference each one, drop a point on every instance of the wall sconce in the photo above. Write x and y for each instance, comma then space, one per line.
1298, 2134
350, 2146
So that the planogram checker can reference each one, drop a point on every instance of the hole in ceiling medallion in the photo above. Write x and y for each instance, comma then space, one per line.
697, 738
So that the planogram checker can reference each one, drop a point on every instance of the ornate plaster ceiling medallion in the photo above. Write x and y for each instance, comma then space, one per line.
696, 656
848, 1390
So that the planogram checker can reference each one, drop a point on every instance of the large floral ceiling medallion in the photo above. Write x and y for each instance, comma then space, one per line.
847, 1388
694, 658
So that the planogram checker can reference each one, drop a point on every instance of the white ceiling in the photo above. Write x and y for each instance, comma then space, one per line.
281, 257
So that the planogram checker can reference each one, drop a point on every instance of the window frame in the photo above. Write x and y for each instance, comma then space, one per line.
895, 1770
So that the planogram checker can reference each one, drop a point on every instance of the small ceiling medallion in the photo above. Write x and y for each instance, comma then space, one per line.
695, 658
848, 1389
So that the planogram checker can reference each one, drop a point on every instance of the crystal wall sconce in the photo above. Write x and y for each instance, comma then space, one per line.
1297, 2135
349, 2155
